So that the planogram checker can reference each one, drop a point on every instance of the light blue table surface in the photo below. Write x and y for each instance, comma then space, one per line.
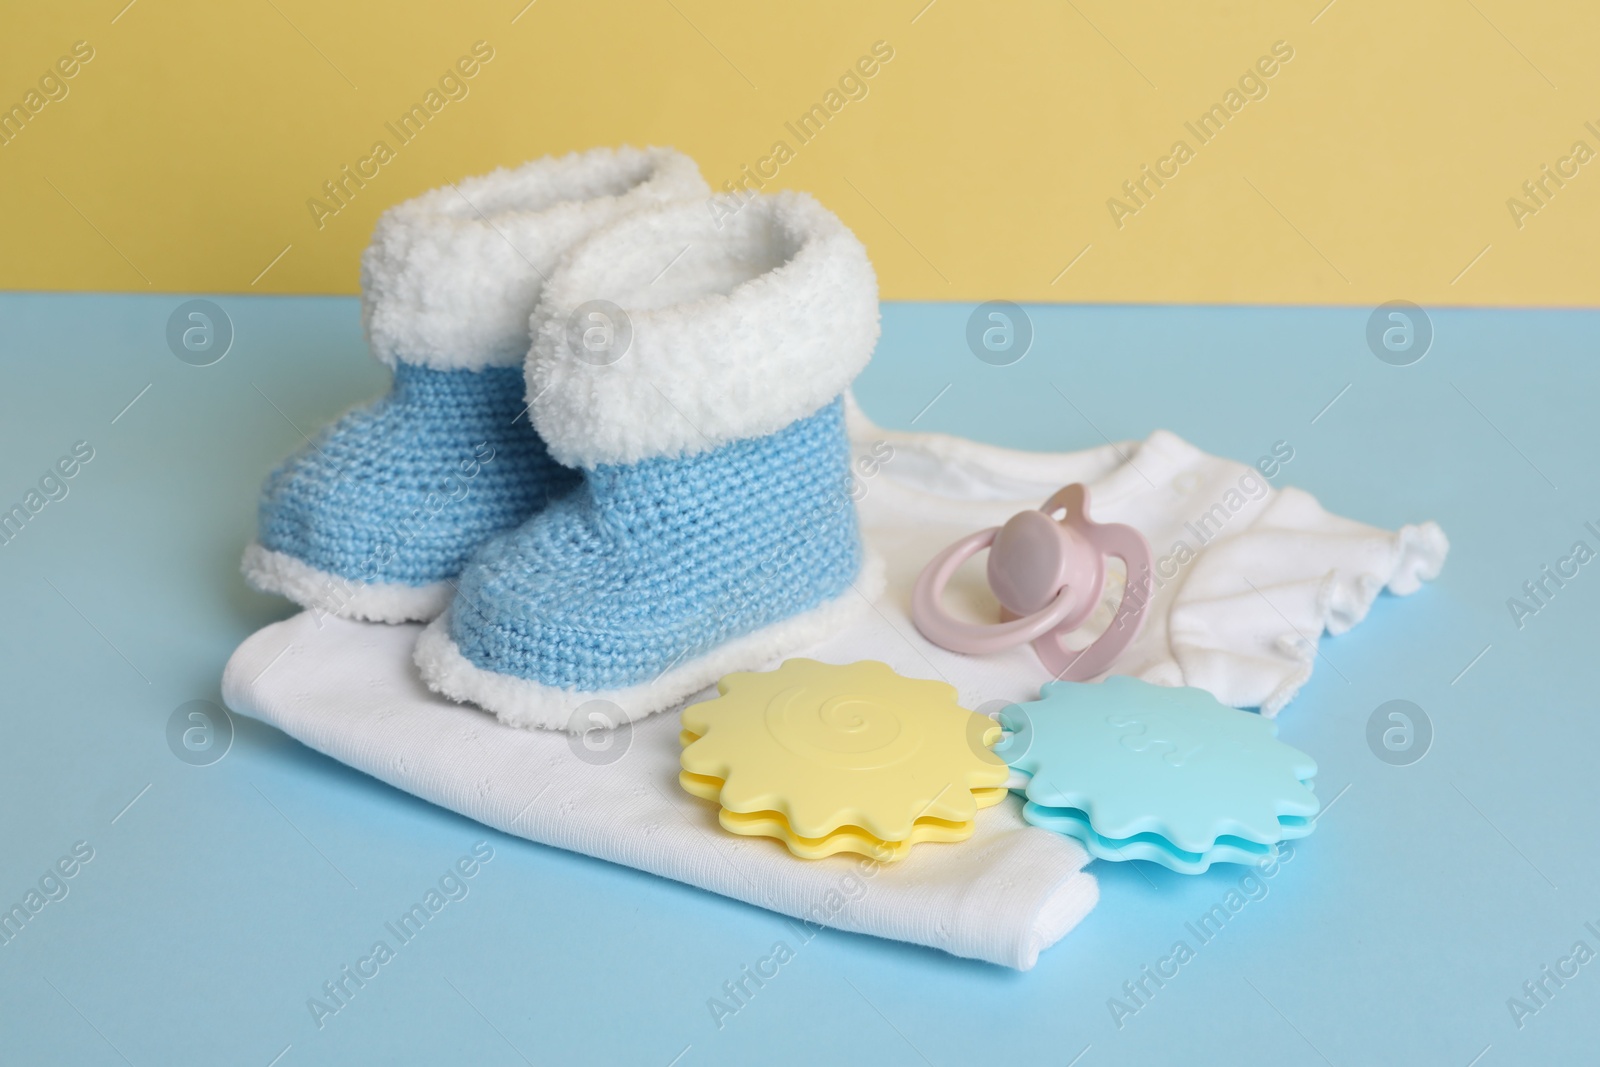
220, 898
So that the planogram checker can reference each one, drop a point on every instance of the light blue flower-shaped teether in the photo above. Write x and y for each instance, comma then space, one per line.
1141, 771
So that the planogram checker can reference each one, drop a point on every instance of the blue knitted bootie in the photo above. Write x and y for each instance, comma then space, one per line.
715, 529
386, 505
376, 516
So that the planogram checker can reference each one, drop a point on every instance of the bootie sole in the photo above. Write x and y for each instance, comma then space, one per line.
525, 703
271, 571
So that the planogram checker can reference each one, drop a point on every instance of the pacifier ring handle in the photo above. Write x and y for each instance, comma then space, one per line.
976, 638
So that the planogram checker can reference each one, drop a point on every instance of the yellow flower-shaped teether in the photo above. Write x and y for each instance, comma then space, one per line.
853, 758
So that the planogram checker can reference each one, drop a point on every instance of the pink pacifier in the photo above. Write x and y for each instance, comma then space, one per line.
1048, 569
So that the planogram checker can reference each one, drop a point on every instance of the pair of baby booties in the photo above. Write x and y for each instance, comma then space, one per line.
613, 463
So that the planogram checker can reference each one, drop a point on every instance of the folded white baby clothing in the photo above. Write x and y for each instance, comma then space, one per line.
1247, 578
349, 690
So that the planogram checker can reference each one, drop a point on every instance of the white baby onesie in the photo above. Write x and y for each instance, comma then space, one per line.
1247, 579
1246, 576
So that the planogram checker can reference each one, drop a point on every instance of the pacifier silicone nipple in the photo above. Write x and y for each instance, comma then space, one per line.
1048, 570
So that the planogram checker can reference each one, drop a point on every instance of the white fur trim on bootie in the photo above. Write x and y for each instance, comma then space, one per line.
270, 571
520, 702
451, 276
738, 327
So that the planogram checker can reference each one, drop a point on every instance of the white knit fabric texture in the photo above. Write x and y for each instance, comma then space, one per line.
349, 689
1237, 610
736, 329
452, 275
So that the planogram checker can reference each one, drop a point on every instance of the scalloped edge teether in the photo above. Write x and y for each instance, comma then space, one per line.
1151, 847
811, 719
1169, 774
846, 838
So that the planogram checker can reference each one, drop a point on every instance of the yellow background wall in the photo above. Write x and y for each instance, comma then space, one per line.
1378, 165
